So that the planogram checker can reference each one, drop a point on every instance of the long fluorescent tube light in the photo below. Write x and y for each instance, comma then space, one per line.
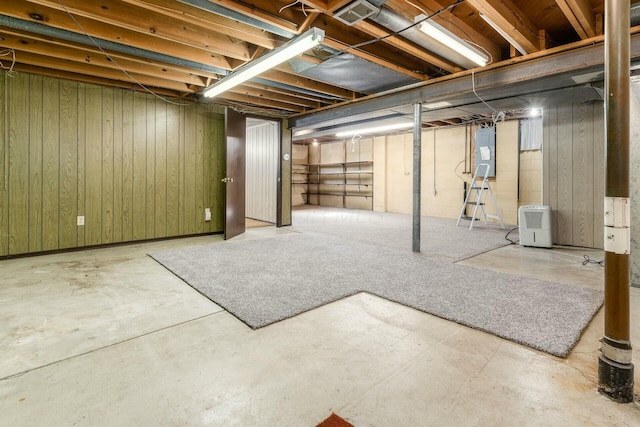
506, 36
377, 129
447, 38
295, 47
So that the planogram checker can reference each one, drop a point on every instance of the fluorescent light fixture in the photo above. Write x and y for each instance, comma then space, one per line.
439, 104
377, 129
447, 38
506, 36
295, 47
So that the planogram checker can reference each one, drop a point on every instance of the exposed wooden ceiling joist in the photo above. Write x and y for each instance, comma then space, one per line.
580, 15
83, 78
60, 19
511, 20
25, 42
179, 47
97, 71
212, 21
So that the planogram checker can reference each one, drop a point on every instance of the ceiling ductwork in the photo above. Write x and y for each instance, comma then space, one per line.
355, 12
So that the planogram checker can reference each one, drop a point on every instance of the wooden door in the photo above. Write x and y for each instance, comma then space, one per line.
235, 131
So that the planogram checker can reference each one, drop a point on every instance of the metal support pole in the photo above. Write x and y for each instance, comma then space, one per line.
417, 156
615, 370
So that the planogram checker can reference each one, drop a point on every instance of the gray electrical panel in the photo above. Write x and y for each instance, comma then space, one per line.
486, 149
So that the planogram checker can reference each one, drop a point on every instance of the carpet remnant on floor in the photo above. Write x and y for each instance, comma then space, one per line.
335, 421
267, 280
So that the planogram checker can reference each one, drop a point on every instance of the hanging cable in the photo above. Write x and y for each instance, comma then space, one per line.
497, 116
8, 52
293, 4
354, 139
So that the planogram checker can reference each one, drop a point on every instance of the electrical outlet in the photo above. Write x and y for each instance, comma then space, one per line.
207, 214
80, 220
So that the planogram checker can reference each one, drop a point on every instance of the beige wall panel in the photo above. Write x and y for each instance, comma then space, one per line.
331, 201
361, 151
150, 188
299, 158
399, 173
530, 178
582, 218
68, 165
18, 101
35, 163
379, 173
443, 192
139, 216
442, 170
108, 146
128, 124
50, 165
173, 169
93, 166
353, 202
505, 185
160, 143
117, 167
314, 154
4, 169
333, 153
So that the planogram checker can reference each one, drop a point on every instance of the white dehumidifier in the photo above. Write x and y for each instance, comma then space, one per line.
535, 226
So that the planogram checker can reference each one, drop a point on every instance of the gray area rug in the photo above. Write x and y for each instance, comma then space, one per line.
439, 236
268, 280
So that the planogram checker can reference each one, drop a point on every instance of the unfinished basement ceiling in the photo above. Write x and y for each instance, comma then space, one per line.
176, 48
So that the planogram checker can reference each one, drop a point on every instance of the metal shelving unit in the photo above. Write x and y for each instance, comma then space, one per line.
344, 180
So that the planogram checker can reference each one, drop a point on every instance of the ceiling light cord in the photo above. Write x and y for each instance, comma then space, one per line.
111, 59
8, 52
354, 139
497, 116
293, 4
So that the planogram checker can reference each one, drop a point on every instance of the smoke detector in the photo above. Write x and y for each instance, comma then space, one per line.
355, 12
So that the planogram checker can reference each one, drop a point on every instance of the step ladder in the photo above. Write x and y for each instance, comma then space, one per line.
475, 198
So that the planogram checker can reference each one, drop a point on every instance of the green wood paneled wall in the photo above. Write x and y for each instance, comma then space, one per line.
135, 166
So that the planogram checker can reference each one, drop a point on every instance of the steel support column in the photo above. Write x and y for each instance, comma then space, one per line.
615, 370
417, 157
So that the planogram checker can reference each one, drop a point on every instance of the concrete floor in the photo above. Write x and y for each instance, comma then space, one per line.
108, 337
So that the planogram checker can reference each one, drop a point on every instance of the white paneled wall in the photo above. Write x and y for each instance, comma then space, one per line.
262, 170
